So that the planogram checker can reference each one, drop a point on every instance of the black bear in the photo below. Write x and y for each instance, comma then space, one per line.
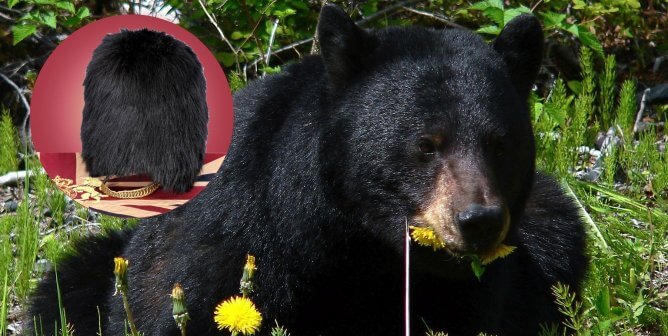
330, 161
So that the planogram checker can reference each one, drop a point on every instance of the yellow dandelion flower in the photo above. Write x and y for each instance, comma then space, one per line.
501, 251
120, 266
238, 315
426, 237
121, 273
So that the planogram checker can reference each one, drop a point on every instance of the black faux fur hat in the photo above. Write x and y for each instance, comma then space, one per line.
145, 109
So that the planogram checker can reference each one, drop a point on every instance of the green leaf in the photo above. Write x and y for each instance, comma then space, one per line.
603, 326
303, 6
12, 3
236, 35
638, 306
602, 302
513, 13
574, 29
71, 21
45, 2
575, 86
477, 267
495, 14
20, 32
49, 19
227, 58
369, 7
491, 29
271, 70
588, 39
619, 312
579, 4
68, 6
83, 13
480, 5
552, 19
28, 16
283, 13
496, 3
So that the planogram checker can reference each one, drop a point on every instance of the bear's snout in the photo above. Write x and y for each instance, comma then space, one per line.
483, 227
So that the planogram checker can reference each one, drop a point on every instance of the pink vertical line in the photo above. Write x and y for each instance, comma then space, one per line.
407, 262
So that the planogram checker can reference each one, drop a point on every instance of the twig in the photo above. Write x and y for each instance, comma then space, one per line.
437, 17
7, 17
643, 101
533, 8
10, 10
244, 6
282, 49
220, 31
271, 41
19, 67
25, 104
386, 10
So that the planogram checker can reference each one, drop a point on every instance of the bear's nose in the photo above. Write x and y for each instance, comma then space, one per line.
481, 226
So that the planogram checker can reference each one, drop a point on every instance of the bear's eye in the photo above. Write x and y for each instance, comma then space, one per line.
426, 146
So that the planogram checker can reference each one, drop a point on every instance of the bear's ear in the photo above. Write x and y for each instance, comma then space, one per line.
521, 46
342, 43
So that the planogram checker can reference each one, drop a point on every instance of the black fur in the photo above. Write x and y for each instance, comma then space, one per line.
145, 109
85, 279
323, 173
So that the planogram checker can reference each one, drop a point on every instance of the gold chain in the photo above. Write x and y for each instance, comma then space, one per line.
135, 193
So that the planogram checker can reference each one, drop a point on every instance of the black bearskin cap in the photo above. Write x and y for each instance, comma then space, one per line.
145, 109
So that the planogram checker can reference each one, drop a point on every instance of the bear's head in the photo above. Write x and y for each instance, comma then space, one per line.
430, 128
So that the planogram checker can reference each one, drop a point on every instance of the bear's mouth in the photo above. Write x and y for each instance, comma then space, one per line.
448, 235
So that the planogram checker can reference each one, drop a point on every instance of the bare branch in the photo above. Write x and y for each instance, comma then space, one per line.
643, 101
435, 16
220, 31
271, 41
385, 11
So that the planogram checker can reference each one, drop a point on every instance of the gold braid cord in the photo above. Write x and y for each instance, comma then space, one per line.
135, 193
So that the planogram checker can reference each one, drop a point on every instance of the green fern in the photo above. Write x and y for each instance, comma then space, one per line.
607, 91
569, 307
8, 144
279, 330
27, 233
626, 110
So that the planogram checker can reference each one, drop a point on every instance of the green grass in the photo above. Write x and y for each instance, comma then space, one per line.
625, 290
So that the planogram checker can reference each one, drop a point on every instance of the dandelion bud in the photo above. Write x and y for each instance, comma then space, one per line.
249, 268
246, 285
179, 310
121, 273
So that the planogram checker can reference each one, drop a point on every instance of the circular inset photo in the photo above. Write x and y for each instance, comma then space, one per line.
131, 116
